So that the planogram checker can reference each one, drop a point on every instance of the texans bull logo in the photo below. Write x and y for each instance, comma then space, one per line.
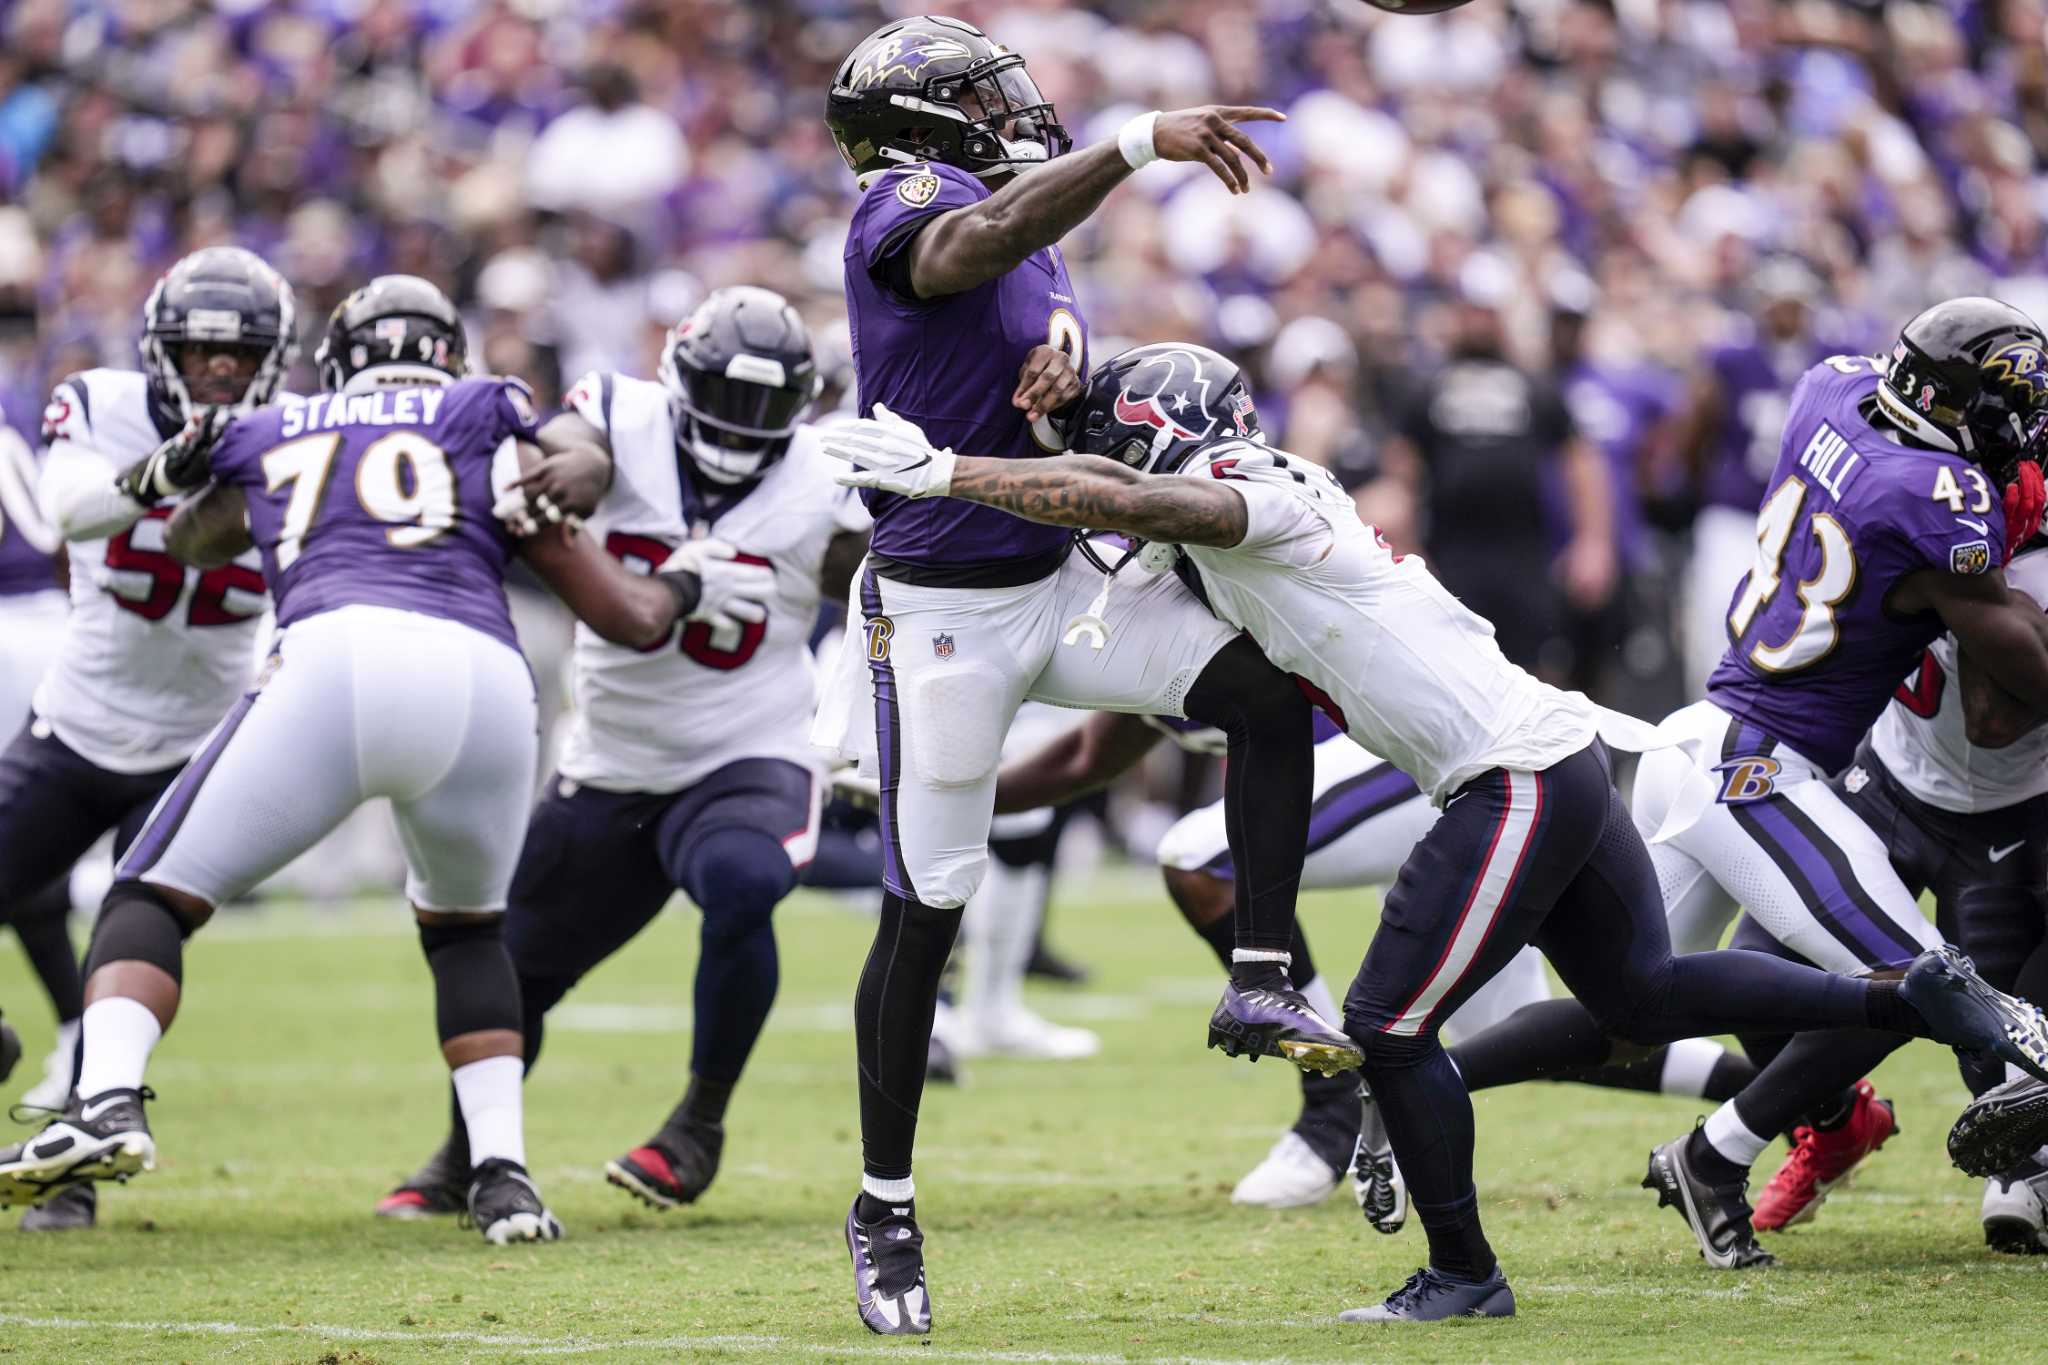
1139, 402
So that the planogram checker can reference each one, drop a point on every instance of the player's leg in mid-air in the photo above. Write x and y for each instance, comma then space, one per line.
1553, 855
358, 702
949, 668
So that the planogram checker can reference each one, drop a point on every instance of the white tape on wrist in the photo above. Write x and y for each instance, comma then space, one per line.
1134, 140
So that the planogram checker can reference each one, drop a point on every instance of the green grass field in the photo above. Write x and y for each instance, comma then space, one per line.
1074, 1212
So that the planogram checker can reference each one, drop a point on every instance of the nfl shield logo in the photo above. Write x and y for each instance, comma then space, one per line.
942, 646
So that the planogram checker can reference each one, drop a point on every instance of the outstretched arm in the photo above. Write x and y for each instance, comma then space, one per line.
973, 245
1101, 495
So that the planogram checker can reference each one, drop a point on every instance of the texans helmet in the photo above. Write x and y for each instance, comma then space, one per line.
218, 297
1153, 406
1971, 376
938, 89
739, 373
397, 331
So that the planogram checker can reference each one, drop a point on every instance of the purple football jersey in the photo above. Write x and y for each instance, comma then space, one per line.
1755, 379
381, 499
950, 364
1813, 656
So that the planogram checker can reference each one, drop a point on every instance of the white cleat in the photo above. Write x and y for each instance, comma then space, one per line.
54, 1089
2015, 1211
1291, 1177
105, 1137
1020, 1033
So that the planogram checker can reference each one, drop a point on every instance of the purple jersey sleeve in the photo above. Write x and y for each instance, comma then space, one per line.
1951, 519
904, 200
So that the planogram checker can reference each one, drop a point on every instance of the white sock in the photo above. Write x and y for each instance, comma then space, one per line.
1000, 924
489, 1092
1317, 993
119, 1034
889, 1191
1728, 1135
1687, 1065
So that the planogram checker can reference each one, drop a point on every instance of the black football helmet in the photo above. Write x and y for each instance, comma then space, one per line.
1153, 406
739, 373
219, 296
1971, 376
397, 331
938, 89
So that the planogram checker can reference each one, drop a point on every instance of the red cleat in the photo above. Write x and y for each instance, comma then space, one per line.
1821, 1161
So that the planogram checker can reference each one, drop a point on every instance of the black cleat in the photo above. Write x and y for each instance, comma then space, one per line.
1276, 1021
888, 1273
1047, 965
1970, 1014
941, 1066
505, 1205
10, 1049
1375, 1176
105, 1137
671, 1168
439, 1187
1717, 1214
2001, 1128
78, 1207
1432, 1296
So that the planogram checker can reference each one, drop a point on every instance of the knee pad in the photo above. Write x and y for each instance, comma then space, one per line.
958, 735
475, 988
137, 924
737, 876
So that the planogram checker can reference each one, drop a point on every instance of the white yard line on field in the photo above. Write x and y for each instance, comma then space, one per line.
744, 1344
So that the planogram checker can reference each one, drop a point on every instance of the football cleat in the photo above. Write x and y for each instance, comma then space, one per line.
77, 1207
1822, 1160
1023, 1034
672, 1168
2015, 1210
439, 1187
1291, 1177
10, 1051
1375, 1176
104, 1137
505, 1205
1969, 1013
53, 1091
1431, 1296
888, 1273
1717, 1214
1276, 1021
2000, 1128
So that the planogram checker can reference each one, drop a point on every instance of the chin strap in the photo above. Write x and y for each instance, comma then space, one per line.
1091, 625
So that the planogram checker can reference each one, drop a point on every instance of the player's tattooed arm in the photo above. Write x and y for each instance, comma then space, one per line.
1084, 759
1101, 495
973, 245
2004, 632
209, 530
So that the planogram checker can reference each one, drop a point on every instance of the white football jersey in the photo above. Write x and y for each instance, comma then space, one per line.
154, 653
661, 719
1415, 675
1920, 736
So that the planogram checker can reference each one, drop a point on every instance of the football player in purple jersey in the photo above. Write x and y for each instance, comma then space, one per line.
953, 277
1903, 485
395, 674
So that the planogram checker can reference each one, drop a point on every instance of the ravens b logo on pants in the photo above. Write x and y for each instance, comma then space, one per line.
1747, 779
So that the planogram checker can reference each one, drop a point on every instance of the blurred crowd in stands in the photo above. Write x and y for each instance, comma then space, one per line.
1590, 202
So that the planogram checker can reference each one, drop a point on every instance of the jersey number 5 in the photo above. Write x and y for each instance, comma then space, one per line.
403, 479
699, 642
1815, 636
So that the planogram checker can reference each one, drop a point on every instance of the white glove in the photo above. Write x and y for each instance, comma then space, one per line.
179, 465
891, 454
516, 513
730, 592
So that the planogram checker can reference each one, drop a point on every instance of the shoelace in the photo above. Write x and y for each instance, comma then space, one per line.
23, 1112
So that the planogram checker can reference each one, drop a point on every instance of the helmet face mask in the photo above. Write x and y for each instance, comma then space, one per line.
740, 376
937, 89
1971, 376
218, 299
397, 331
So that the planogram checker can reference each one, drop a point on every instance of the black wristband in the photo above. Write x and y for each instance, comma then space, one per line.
687, 588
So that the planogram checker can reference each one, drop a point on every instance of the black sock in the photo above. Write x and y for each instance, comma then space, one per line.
1729, 1075
1810, 1075
1266, 784
1888, 1010
1457, 1245
892, 1027
703, 1104
1549, 1038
